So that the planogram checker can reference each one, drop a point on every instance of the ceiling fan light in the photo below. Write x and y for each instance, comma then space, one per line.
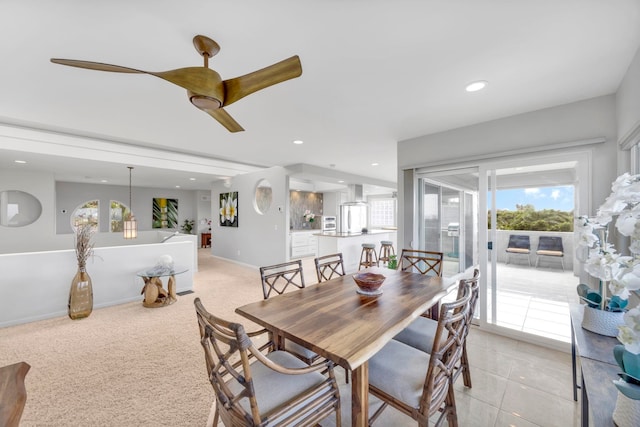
205, 102
476, 86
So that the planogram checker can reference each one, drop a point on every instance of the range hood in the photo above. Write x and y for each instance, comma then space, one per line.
355, 193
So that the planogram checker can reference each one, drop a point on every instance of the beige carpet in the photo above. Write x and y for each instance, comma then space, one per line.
128, 365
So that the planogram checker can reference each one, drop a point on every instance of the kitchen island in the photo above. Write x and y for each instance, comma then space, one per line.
350, 244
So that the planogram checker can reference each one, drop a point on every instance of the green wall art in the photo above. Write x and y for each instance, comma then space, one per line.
165, 213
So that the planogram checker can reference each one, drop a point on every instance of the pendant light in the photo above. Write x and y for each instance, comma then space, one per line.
130, 224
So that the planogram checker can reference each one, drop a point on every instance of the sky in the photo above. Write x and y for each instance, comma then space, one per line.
558, 198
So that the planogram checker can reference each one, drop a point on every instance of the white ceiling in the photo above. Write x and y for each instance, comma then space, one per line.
374, 73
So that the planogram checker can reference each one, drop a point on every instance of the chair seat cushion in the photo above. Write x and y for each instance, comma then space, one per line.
273, 388
549, 253
299, 350
420, 334
400, 371
518, 250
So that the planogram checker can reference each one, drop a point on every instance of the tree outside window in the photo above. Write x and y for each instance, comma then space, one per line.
117, 212
86, 213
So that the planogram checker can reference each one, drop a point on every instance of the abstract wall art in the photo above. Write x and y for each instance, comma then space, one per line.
165, 213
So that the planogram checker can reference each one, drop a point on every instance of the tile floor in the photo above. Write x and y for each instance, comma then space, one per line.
514, 384
535, 300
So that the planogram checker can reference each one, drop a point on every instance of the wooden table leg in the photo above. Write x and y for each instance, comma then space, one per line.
172, 288
360, 396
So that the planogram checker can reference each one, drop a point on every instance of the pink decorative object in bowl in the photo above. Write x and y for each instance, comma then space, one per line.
369, 283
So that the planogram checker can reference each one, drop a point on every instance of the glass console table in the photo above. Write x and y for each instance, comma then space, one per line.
154, 294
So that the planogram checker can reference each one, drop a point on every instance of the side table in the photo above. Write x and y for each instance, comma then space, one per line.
154, 294
205, 240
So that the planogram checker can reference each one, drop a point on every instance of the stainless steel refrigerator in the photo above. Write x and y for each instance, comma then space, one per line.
354, 216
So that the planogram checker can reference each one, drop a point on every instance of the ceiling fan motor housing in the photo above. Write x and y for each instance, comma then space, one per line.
204, 102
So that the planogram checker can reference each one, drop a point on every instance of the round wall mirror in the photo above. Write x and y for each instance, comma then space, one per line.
263, 197
18, 208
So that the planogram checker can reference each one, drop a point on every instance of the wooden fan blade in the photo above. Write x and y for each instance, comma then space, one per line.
225, 120
200, 80
96, 66
239, 87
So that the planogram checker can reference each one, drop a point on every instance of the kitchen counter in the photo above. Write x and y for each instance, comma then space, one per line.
350, 245
341, 234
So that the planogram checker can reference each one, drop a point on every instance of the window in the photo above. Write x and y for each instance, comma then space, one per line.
383, 212
86, 213
117, 212
536, 208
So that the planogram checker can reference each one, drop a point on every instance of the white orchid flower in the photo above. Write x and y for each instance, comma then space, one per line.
587, 239
630, 339
626, 223
632, 319
634, 248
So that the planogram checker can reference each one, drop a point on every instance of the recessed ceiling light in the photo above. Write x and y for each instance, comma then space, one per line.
192, 179
103, 180
298, 142
375, 164
20, 161
476, 86
177, 186
341, 181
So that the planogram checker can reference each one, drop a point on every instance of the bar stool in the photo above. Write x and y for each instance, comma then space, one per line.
368, 257
386, 250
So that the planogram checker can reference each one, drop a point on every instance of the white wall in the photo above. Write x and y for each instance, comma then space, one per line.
39, 235
578, 121
259, 239
52, 231
69, 195
628, 101
204, 211
35, 285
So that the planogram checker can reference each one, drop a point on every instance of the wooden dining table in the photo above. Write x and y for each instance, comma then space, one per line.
338, 323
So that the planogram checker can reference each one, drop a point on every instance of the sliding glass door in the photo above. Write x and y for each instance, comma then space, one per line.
448, 219
461, 212
527, 295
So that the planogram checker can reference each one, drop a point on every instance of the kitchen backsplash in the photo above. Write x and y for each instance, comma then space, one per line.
300, 202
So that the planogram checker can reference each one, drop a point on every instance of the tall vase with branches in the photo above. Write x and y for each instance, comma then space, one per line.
81, 292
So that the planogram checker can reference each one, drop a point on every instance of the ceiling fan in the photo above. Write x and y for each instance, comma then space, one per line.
205, 87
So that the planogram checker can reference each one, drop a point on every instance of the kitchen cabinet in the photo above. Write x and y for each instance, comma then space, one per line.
303, 243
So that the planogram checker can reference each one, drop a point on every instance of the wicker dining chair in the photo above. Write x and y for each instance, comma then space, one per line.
329, 266
254, 388
421, 332
423, 262
420, 384
278, 277
428, 263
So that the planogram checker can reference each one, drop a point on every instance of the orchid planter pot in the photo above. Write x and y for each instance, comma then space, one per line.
602, 322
